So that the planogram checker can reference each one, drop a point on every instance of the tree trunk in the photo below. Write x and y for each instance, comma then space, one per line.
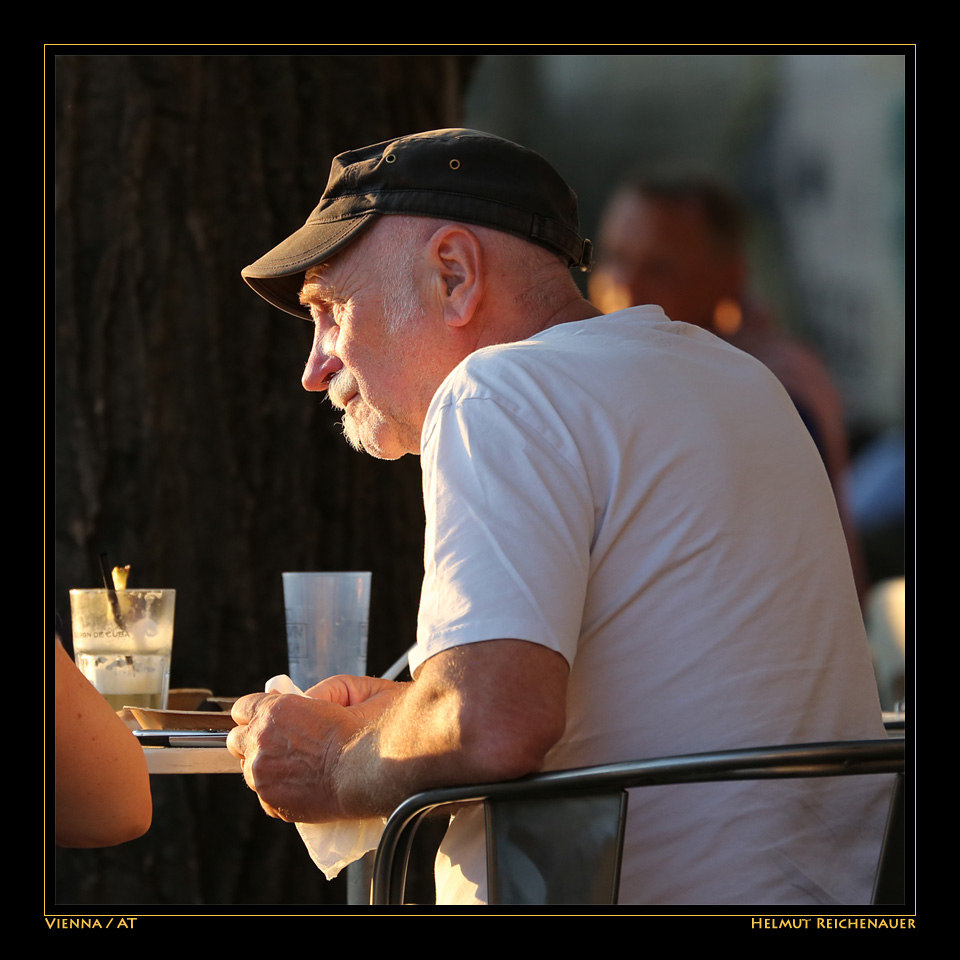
185, 445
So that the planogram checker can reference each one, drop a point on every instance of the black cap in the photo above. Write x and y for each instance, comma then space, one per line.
455, 174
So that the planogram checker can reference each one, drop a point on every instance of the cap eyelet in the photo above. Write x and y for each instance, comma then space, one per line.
389, 158
454, 164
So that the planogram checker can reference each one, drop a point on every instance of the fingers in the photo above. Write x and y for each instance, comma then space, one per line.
289, 746
283, 743
335, 689
241, 742
245, 708
237, 743
348, 691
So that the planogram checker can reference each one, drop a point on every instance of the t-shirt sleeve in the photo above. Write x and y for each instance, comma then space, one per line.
509, 526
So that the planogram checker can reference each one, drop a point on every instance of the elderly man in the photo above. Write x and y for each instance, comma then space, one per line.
631, 547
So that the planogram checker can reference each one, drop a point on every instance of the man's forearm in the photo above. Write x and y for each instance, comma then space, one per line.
357, 746
449, 728
412, 747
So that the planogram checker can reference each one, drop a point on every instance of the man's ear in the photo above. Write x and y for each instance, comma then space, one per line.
455, 256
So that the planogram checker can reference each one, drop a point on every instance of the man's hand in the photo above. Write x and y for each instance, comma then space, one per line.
289, 746
358, 746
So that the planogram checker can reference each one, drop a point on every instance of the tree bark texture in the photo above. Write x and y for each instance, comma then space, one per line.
184, 444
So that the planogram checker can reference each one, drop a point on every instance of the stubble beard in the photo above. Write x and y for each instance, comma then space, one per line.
402, 305
391, 248
340, 390
343, 392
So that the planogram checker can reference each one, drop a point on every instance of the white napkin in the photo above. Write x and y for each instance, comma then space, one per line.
332, 845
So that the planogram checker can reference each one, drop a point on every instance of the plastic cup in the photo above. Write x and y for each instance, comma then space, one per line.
327, 620
122, 641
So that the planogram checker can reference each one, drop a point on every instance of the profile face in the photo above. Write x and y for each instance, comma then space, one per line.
368, 341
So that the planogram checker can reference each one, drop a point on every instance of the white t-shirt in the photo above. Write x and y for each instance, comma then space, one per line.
643, 498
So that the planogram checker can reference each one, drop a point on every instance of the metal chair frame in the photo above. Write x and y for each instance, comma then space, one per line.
844, 758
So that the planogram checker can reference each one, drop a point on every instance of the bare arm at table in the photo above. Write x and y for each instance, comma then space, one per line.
477, 713
102, 785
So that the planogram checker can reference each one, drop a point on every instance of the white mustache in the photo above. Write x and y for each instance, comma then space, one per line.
341, 388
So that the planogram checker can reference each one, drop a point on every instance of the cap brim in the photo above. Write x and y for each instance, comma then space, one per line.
278, 275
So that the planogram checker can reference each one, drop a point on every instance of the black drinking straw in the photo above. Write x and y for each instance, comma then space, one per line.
112, 594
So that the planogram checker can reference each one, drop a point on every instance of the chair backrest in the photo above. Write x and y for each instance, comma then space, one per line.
890, 884
527, 865
576, 818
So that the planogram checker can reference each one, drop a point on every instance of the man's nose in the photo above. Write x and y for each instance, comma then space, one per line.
322, 363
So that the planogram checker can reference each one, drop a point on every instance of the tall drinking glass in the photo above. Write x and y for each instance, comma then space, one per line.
327, 620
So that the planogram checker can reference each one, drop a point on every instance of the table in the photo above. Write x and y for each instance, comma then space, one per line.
190, 760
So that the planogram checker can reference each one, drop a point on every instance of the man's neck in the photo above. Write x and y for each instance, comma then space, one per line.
578, 309
522, 325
